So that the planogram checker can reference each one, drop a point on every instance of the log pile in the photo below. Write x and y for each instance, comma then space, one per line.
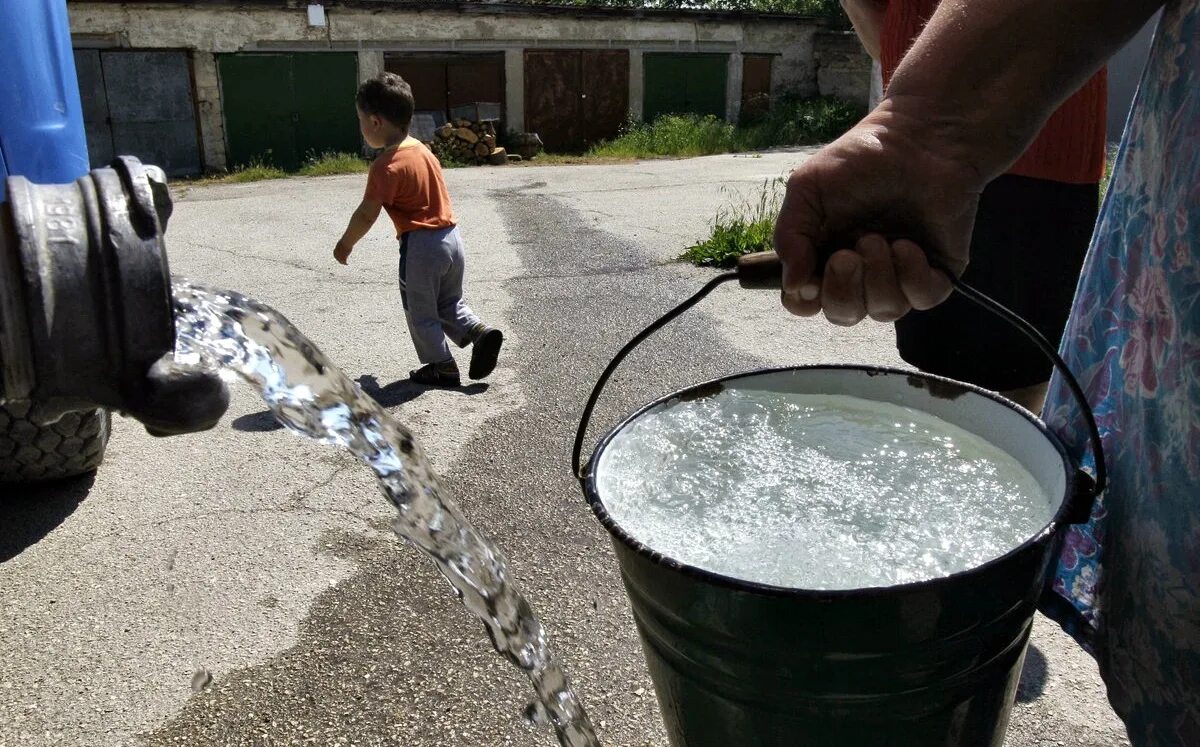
462, 141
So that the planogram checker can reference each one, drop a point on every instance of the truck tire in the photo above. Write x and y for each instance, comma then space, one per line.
30, 452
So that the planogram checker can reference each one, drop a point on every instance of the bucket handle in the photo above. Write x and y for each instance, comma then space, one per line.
764, 270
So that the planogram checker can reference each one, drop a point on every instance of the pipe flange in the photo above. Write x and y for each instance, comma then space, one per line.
85, 275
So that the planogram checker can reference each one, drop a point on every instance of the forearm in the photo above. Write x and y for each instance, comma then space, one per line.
866, 16
360, 224
985, 75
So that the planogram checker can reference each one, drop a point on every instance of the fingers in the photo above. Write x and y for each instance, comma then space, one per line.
842, 295
885, 300
923, 285
880, 280
877, 279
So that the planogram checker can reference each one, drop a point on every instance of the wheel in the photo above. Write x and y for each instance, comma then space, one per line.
31, 452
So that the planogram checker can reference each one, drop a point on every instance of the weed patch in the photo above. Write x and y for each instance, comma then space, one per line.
791, 122
255, 171
746, 226
330, 163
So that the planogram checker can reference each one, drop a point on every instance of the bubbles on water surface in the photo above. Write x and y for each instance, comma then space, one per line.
816, 491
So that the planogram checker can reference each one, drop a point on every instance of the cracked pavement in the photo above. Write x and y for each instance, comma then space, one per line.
268, 561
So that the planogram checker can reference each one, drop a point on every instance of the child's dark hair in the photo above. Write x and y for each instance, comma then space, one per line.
389, 96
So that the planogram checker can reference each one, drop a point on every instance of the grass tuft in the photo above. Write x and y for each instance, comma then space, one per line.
255, 171
330, 163
679, 135
746, 226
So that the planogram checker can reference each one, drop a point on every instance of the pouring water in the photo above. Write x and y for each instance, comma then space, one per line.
309, 395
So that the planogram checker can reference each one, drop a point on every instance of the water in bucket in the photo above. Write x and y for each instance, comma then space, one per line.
312, 397
816, 491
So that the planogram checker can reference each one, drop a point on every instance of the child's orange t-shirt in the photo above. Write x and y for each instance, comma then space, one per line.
408, 182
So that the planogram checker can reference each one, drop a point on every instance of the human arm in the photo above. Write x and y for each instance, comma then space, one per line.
969, 97
360, 222
866, 16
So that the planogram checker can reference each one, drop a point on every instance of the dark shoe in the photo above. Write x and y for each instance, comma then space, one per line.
484, 352
434, 374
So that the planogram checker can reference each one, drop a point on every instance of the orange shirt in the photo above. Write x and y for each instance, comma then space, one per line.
408, 182
1070, 147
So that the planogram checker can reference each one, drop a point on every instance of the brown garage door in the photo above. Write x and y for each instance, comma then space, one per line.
574, 98
442, 82
756, 86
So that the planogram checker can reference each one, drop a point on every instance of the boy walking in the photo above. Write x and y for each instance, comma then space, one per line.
406, 181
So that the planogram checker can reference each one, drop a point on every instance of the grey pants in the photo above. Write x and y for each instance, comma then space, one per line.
432, 266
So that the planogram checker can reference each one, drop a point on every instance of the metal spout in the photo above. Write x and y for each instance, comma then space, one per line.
86, 313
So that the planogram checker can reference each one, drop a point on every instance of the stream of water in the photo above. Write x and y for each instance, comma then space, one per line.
308, 394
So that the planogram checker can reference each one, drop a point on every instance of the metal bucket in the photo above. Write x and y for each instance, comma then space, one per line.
931, 663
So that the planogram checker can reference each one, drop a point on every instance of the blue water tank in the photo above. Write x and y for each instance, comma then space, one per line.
41, 118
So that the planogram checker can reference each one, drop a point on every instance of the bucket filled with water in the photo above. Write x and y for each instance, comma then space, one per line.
833, 555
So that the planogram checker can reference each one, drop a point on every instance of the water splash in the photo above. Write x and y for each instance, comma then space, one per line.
225, 330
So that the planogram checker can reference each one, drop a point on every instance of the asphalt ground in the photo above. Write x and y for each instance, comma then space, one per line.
260, 567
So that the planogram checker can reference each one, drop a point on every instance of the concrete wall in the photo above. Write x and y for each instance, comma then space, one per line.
794, 69
370, 63
843, 67
372, 31
637, 84
514, 86
208, 110
733, 87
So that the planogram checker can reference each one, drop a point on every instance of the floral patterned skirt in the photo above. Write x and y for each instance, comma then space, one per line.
1127, 584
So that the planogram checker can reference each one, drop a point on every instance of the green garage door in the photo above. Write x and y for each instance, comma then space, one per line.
282, 108
684, 84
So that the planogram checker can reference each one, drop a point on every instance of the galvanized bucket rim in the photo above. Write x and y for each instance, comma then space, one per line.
1056, 523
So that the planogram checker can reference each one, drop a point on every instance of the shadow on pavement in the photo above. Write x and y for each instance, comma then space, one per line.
389, 395
259, 422
28, 512
403, 390
1033, 676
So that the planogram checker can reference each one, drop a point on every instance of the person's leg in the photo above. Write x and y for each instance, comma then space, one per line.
460, 323
422, 264
1022, 224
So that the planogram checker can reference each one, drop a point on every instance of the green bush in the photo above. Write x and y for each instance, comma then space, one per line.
330, 163
254, 171
745, 227
670, 135
790, 122
800, 122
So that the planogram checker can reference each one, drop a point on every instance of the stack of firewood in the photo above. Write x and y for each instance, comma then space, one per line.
463, 141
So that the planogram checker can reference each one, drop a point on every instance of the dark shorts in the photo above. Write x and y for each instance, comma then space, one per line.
1029, 243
